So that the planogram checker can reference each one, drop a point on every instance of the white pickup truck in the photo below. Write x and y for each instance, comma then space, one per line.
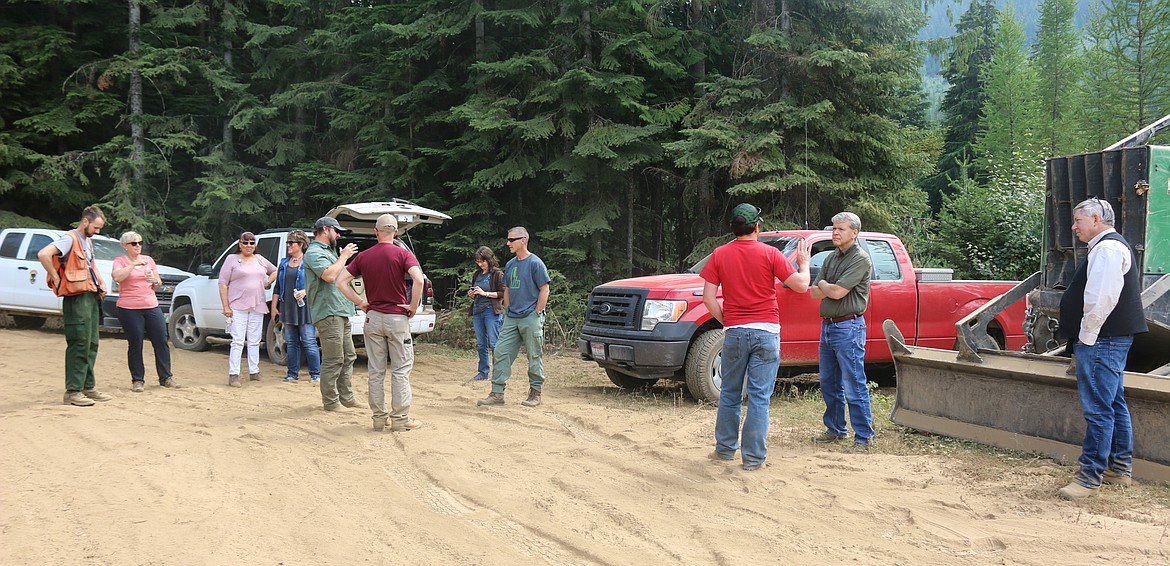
198, 314
26, 295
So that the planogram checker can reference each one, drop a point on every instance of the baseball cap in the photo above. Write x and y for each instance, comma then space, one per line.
386, 220
328, 222
750, 213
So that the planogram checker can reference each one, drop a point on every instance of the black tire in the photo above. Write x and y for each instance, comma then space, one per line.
28, 322
629, 382
185, 335
703, 366
274, 343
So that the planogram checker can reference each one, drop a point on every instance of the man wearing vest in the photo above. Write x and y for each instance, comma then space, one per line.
72, 275
1099, 313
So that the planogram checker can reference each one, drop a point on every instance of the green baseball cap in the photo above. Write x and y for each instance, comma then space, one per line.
750, 213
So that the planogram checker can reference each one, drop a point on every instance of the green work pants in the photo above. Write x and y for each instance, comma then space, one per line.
528, 331
337, 357
83, 315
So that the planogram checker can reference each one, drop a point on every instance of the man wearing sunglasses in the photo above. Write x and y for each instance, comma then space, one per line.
331, 312
525, 296
1100, 312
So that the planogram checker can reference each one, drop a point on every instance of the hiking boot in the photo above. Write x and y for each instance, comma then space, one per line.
354, 404
253, 377
137, 386
1074, 491
290, 379
334, 408
757, 466
379, 424
533, 398
76, 398
96, 395
480, 377
404, 424
491, 400
170, 383
234, 380
858, 448
717, 457
1113, 478
827, 438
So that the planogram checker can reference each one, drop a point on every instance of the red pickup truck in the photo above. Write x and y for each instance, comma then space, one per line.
649, 328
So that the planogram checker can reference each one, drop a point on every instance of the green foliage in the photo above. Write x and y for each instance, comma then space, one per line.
1010, 113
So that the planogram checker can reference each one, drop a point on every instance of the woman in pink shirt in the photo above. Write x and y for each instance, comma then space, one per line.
137, 278
242, 281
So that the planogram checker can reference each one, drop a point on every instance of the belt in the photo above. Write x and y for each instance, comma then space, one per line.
836, 319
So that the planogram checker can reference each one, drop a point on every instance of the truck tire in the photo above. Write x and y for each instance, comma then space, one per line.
28, 322
274, 343
704, 359
185, 335
629, 382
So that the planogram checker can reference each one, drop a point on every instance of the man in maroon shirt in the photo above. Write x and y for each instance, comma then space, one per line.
383, 268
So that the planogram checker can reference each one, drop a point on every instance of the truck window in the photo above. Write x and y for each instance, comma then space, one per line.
270, 249
107, 249
11, 245
38, 243
885, 263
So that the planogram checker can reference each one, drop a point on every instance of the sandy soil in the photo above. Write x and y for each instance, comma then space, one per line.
261, 475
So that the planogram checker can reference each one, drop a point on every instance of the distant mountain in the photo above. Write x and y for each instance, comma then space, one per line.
944, 14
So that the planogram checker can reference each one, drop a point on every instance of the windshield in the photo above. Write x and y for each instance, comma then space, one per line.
108, 250
783, 243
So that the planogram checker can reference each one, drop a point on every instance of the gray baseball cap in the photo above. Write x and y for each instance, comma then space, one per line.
328, 222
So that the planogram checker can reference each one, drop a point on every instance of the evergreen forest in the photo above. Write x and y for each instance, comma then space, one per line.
620, 133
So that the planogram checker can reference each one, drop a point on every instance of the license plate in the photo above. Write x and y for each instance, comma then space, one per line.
598, 350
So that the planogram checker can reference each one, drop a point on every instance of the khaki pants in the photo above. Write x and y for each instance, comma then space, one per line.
337, 357
388, 342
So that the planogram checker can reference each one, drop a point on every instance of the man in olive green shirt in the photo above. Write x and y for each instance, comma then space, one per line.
843, 289
331, 312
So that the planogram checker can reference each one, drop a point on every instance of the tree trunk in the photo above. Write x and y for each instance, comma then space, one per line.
137, 135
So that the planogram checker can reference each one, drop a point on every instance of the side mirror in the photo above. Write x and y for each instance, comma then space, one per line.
813, 271
203, 269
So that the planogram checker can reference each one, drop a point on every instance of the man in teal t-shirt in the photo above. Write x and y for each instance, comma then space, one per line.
525, 295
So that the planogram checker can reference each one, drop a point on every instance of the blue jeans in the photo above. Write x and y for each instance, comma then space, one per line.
487, 330
842, 359
751, 359
296, 337
1109, 433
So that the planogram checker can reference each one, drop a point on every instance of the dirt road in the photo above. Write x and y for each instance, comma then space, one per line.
261, 475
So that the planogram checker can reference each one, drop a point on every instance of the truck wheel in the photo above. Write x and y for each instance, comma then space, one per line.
704, 359
185, 335
28, 322
629, 382
274, 342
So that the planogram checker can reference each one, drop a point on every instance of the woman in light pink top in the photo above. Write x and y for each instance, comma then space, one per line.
242, 281
137, 278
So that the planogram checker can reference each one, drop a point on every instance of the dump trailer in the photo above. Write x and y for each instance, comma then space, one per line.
1028, 400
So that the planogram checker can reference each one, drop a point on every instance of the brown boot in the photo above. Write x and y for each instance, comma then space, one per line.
493, 399
96, 395
1113, 478
533, 399
76, 398
404, 424
354, 404
1074, 491
380, 423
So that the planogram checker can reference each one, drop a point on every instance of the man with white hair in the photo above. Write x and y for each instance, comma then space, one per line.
843, 289
383, 268
1099, 313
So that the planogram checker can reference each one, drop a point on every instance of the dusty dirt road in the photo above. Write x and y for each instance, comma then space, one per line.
261, 475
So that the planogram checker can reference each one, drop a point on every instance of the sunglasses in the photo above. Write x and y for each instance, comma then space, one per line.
138, 243
248, 243
510, 240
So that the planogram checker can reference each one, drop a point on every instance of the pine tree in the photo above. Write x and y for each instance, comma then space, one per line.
1058, 67
1010, 114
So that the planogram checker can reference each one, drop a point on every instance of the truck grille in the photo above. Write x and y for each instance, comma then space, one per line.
613, 307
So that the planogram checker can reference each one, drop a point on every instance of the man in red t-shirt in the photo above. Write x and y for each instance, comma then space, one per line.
383, 269
748, 271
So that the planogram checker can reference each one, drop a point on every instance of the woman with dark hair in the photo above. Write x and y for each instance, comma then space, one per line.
487, 306
139, 313
288, 302
242, 281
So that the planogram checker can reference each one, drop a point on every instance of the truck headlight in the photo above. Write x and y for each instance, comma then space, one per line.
657, 311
